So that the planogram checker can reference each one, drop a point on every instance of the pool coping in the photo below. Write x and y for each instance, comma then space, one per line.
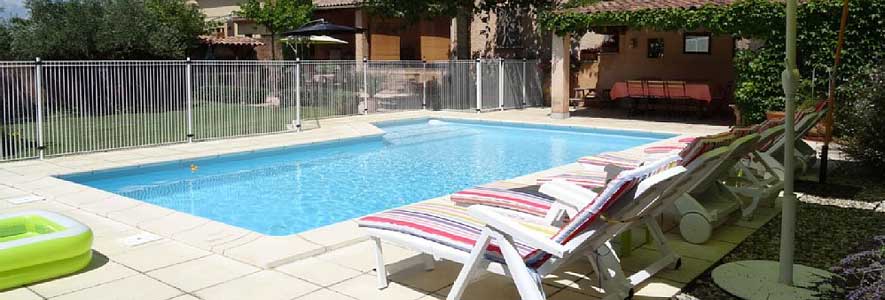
37, 177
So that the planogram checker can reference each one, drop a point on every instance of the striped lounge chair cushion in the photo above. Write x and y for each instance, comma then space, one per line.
621, 185
525, 201
620, 159
445, 224
587, 179
706, 143
670, 147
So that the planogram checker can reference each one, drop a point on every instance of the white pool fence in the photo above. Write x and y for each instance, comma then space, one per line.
51, 108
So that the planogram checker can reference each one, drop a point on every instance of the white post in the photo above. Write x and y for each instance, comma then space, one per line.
524, 82
424, 87
366, 85
298, 94
189, 85
790, 79
501, 84
478, 85
38, 89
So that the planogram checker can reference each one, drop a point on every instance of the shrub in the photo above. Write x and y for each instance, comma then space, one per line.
860, 120
860, 276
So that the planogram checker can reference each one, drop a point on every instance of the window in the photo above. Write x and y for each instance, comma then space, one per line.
696, 43
610, 43
655, 48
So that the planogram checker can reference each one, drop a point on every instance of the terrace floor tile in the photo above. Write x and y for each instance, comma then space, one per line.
98, 272
366, 287
147, 289
265, 285
203, 272
269, 251
139, 214
336, 235
318, 271
159, 254
20, 294
172, 224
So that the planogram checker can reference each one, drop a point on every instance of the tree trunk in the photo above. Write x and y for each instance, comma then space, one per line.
273, 48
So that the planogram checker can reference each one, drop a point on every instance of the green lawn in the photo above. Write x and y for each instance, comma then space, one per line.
68, 133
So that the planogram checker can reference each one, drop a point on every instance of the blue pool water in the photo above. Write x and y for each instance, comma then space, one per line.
290, 190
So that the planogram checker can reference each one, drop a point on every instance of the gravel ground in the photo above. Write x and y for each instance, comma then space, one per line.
834, 219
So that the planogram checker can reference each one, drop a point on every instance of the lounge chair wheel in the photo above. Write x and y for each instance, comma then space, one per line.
695, 228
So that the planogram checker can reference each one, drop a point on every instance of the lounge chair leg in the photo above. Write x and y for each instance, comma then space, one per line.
608, 265
380, 269
470, 267
661, 241
429, 262
527, 281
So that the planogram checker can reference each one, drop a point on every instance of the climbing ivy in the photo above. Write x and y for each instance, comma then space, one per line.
758, 69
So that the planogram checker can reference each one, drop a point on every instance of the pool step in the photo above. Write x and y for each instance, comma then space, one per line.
427, 134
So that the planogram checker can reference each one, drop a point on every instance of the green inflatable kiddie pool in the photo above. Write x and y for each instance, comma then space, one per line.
39, 245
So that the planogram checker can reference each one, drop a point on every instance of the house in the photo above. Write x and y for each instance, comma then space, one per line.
616, 53
503, 34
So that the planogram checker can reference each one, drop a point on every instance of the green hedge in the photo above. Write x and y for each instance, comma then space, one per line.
758, 85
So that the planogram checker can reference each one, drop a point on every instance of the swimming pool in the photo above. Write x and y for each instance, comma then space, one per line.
289, 190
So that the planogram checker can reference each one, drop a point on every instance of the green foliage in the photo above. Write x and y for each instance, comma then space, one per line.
277, 15
5, 39
861, 118
758, 86
106, 29
416, 10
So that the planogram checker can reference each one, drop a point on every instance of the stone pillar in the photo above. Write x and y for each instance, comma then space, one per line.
453, 38
559, 77
361, 40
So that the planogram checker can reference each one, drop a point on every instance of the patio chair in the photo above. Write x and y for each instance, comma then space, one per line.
657, 93
677, 94
767, 164
637, 92
509, 243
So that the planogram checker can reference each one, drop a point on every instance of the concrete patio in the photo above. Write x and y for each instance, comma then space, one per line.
143, 251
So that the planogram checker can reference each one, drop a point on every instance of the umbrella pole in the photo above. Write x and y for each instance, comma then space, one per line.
831, 96
790, 79
759, 279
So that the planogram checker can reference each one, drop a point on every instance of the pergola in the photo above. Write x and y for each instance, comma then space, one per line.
561, 46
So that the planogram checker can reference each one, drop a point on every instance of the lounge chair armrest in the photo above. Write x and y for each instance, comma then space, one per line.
509, 226
567, 193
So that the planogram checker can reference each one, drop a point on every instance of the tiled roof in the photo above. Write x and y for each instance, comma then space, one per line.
634, 5
335, 3
230, 40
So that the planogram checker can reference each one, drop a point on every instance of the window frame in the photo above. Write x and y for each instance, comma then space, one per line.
709, 37
648, 48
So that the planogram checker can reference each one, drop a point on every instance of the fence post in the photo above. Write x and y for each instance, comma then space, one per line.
298, 94
38, 89
366, 85
524, 80
478, 85
501, 83
190, 99
424, 88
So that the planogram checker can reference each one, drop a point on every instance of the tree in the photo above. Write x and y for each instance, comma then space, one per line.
5, 40
277, 16
106, 29
415, 10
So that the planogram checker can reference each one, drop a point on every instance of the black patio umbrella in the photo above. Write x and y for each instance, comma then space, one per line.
321, 27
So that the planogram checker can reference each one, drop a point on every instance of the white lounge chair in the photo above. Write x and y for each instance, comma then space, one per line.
528, 249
